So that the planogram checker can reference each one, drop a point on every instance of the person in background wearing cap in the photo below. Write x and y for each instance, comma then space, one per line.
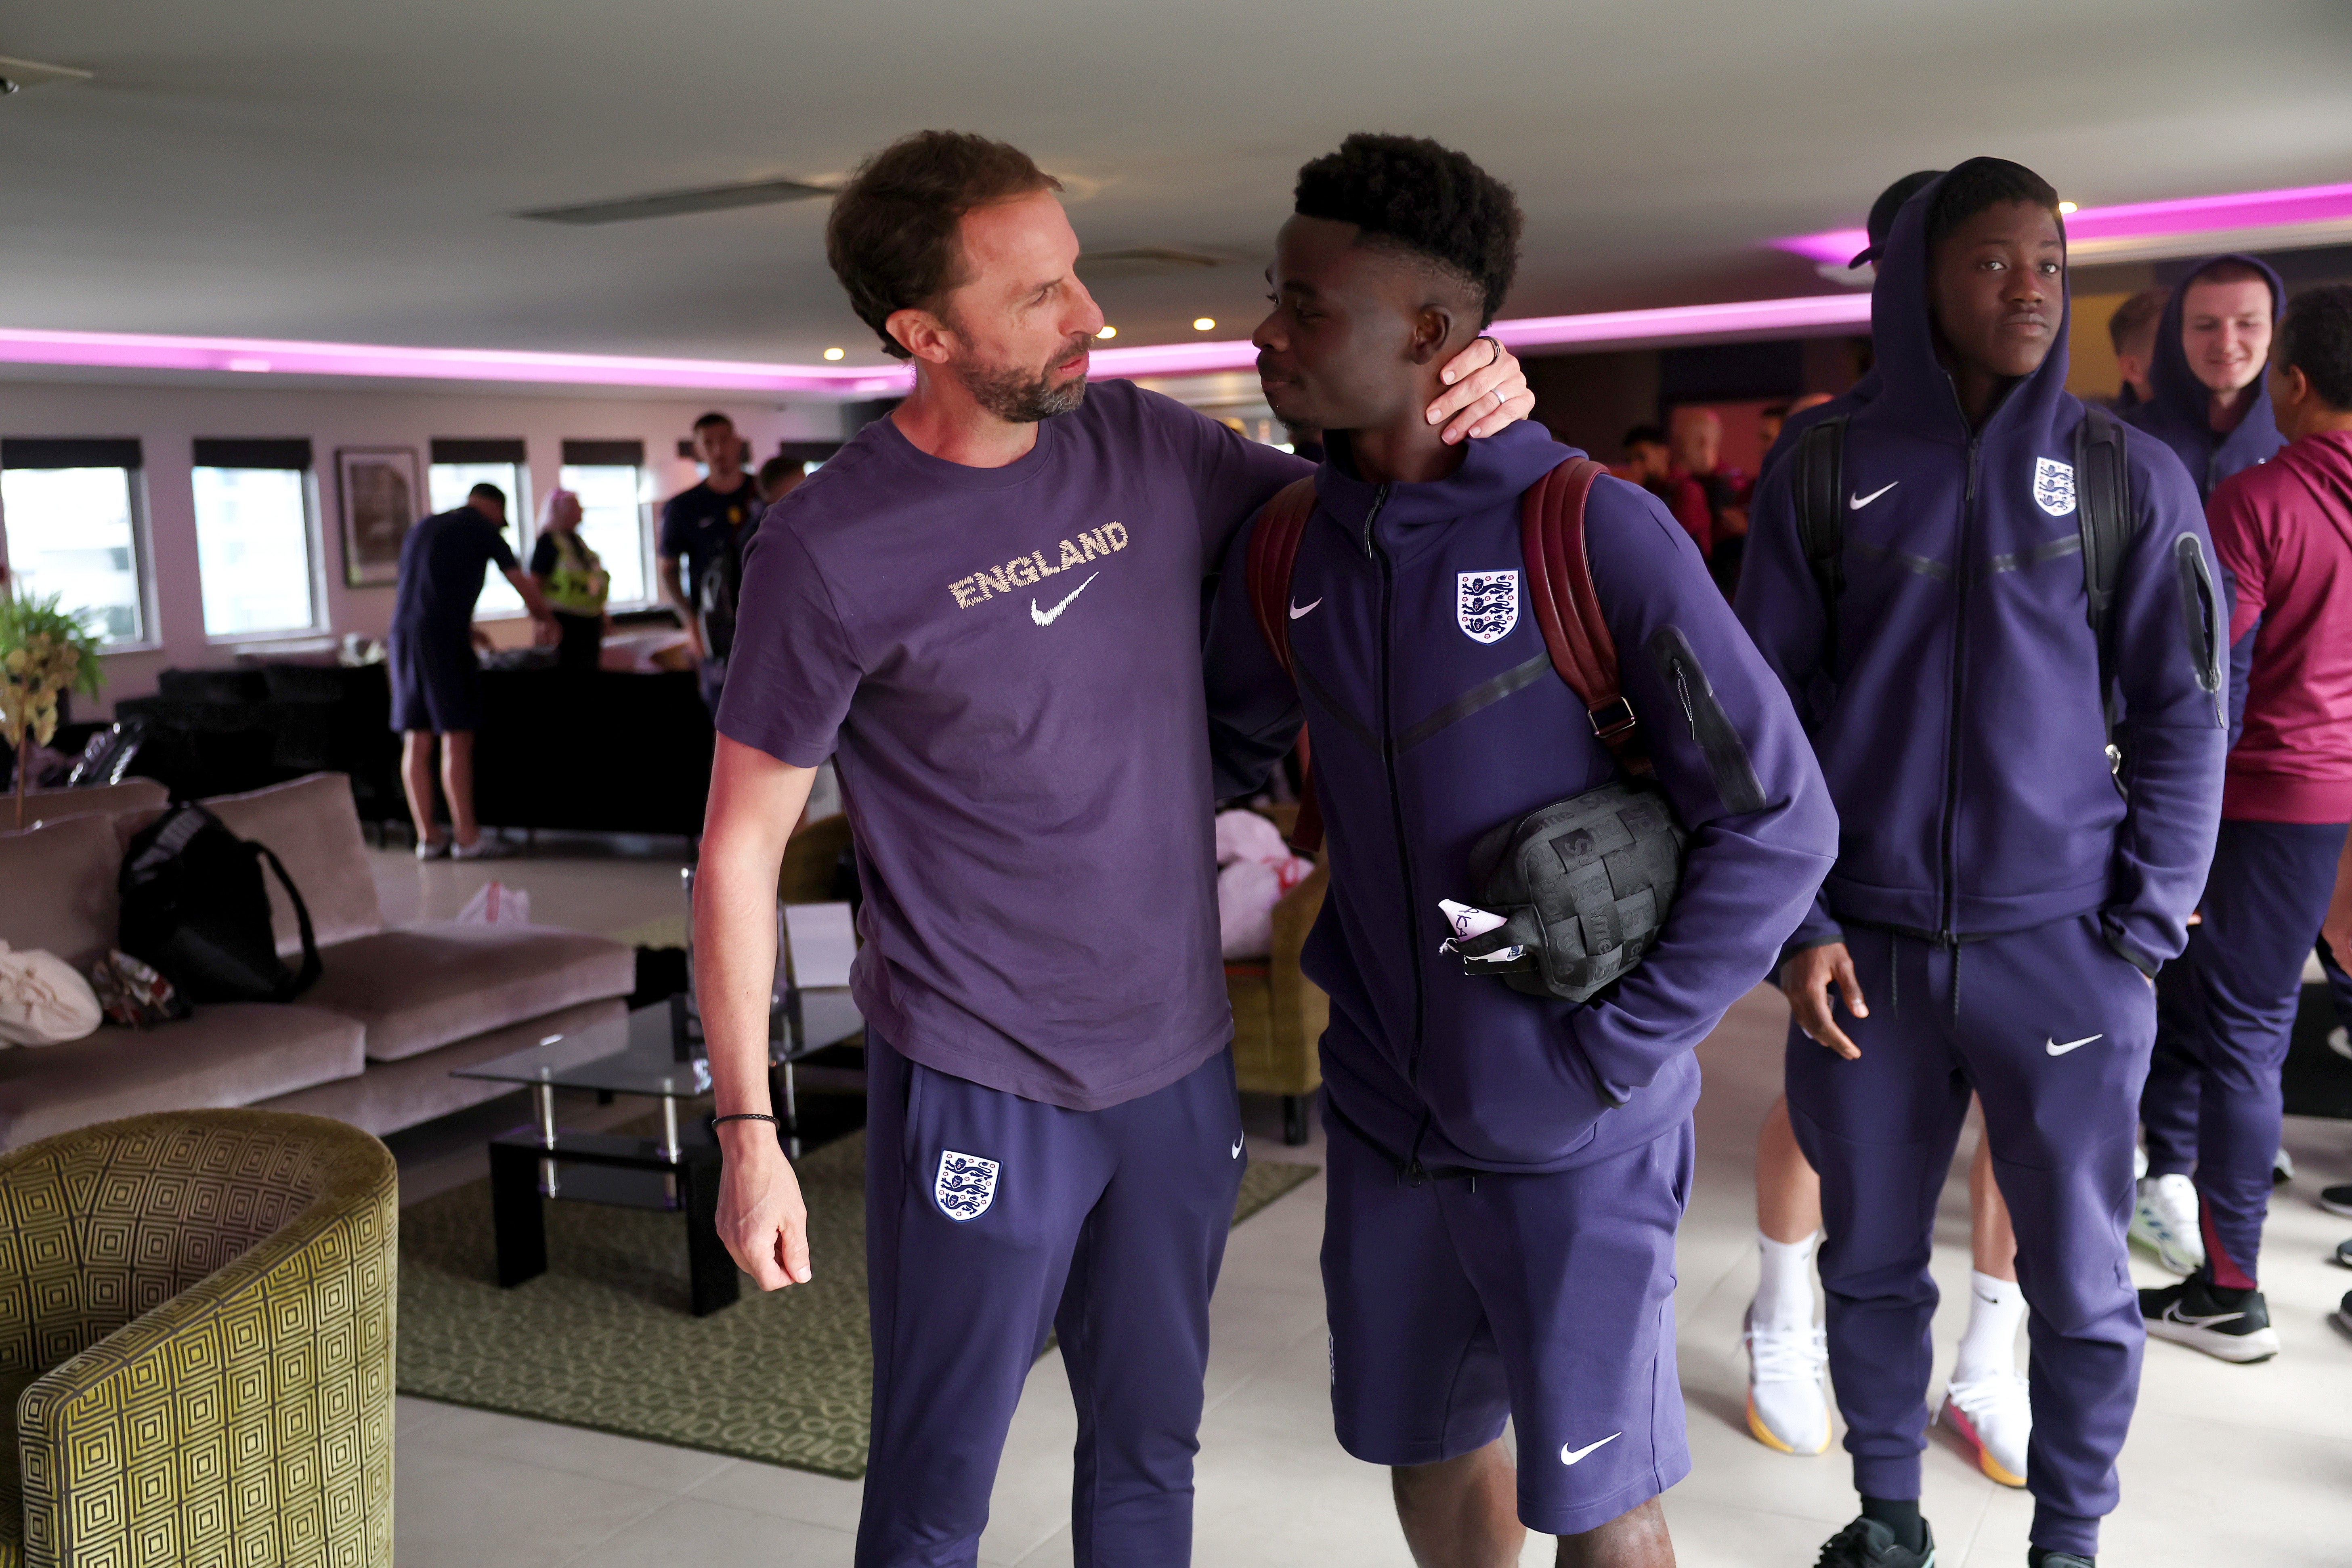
2210, 402
2004, 891
1986, 1401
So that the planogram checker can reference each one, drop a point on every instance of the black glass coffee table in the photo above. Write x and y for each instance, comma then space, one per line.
644, 1055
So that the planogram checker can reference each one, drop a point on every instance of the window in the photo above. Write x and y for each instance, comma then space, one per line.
456, 468
254, 558
609, 478
69, 522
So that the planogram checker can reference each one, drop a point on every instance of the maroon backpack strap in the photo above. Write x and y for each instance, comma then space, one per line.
1273, 553
1567, 610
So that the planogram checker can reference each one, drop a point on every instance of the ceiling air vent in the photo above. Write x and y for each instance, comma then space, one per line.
18, 74
673, 203
1143, 261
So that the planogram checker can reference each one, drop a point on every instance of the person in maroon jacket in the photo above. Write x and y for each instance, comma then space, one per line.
2284, 529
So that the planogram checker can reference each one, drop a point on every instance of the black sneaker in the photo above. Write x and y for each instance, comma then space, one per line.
1867, 1543
2344, 1252
2037, 1558
2336, 1200
2194, 1313
2342, 1316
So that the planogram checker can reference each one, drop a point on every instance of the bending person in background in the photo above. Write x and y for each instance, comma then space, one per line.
2284, 529
2004, 891
2212, 404
574, 581
780, 476
437, 680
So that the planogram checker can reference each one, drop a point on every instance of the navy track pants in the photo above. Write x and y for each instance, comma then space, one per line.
991, 1220
2228, 1006
2051, 1030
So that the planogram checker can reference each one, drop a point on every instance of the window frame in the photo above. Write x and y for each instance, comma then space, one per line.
149, 636
322, 620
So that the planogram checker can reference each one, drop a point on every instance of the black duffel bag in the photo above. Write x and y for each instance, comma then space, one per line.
195, 910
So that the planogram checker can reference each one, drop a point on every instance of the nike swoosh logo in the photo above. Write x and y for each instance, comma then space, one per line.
1237, 1148
2056, 1049
1569, 1456
1860, 502
1297, 610
2173, 1314
1047, 617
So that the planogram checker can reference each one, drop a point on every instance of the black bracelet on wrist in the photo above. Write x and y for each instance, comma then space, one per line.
747, 1116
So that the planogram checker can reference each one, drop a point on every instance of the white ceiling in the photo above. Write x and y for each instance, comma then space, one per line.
340, 171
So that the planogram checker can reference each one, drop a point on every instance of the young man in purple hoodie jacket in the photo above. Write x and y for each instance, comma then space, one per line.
2004, 889
2212, 407
1507, 1170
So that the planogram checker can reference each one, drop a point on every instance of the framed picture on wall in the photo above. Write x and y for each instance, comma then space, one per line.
382, 498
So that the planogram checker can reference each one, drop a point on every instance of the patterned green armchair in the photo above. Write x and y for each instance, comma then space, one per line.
196, 1345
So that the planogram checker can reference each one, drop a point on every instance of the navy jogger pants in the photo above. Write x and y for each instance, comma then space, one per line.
2051, 1030
991, 1220
2228, 1006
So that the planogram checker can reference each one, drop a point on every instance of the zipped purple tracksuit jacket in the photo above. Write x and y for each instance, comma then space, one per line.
2178, 414
1437, 716
1957, 720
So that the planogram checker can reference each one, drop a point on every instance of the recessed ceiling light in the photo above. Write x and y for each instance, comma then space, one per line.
1108, 331
1204, 323
2066, 207
833, 354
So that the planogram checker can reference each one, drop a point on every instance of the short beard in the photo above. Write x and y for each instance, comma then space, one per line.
1022, 397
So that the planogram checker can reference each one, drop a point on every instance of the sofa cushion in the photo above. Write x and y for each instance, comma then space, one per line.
390, 1096
232, 1054
131, 794
60, 882
311, 826
423, 986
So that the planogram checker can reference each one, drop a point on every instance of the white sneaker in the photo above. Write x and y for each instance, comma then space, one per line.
432, 848
1787, 1408
483, 848
1995, 1416
2164, 1221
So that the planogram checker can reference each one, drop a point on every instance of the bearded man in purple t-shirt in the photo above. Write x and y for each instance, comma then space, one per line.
986, 608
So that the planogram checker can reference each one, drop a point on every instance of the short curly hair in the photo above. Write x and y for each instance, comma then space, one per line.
2315, 338
1981, 184
892, 235
1411, 193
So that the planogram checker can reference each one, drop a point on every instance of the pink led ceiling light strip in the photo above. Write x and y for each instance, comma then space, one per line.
2311, 208
147, 351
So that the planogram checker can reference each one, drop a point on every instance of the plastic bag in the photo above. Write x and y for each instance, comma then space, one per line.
496, 904
134, 996
42, 1001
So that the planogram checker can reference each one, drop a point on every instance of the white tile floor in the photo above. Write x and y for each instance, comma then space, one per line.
2227, 1467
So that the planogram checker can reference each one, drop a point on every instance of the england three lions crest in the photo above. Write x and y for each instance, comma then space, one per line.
1486, 604
2053, 486
965, 1185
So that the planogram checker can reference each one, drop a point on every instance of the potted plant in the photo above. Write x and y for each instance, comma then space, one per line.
44, 653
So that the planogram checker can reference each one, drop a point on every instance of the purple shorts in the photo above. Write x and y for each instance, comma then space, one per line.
1545, 1299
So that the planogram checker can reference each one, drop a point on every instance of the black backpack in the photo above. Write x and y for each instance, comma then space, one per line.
2103, 518
721, 585
195, 911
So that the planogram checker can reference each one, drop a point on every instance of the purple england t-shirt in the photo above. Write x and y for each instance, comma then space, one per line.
1005, 666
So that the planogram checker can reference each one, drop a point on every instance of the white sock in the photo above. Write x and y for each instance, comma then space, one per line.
1996, 1307
1784, 1291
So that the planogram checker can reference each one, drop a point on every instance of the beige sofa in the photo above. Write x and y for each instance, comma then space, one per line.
372, 1044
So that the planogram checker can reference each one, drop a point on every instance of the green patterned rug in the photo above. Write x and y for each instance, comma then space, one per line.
603, 1339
